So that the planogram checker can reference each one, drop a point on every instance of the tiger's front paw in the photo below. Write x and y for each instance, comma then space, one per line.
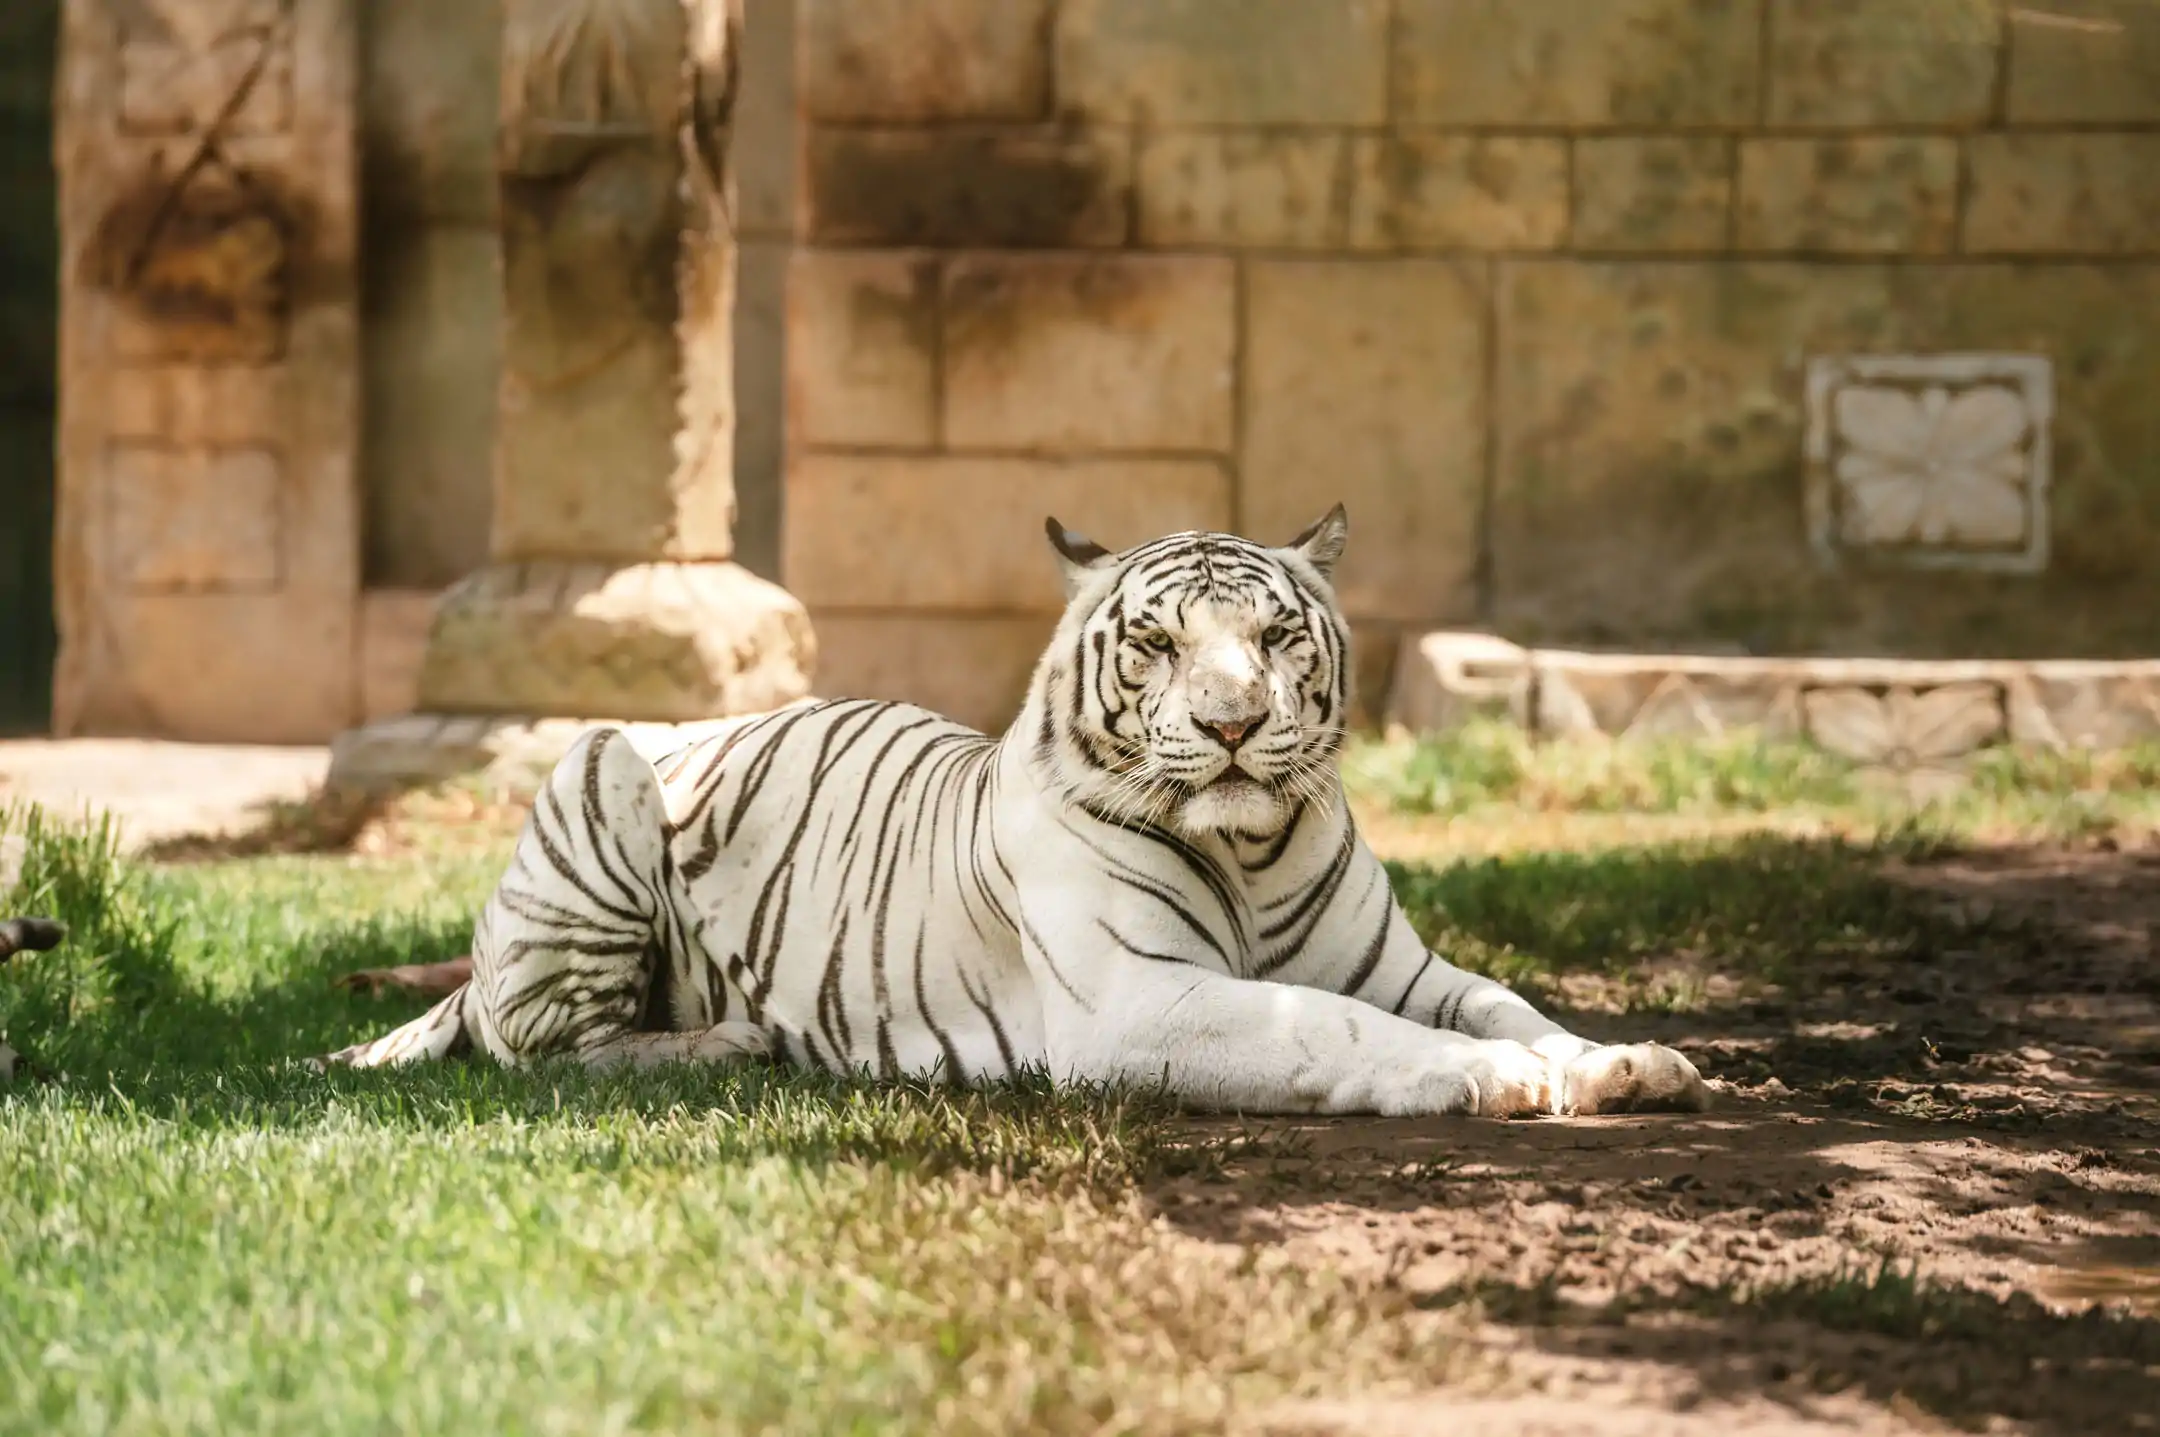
1631, 1078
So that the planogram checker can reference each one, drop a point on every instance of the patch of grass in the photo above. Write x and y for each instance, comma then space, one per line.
1491, 769
1490, 764
1761, 905
201, 1236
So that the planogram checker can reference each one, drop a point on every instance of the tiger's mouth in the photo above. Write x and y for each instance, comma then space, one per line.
1233, 782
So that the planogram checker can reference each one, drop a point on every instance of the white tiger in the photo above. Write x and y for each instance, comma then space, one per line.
1152, 878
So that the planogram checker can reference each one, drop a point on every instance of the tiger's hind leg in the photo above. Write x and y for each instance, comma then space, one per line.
571, 954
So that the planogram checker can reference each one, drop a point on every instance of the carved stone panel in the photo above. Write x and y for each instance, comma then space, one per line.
1936, 461
208, 515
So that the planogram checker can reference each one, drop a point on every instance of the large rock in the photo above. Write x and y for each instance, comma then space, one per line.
661, 642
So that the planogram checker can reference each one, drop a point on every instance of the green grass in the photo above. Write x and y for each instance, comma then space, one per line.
198, 1234
1760, 905
1489, 766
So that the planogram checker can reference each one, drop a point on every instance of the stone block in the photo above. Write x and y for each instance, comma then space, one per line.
196, 518
226, 668
973, 669
1427, 191
1071, 353
1680, 63
1443, 680
1883, 62
2063, 194
2066, 703
1365, 383
1648, 487
921, 60
960, 533
2085, 62
1653, 192
1224, 62
1233, 188
1006, 188
394, 626
1874, 194
862, 348
660, 642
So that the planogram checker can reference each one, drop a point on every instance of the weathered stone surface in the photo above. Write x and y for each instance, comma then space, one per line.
2064, 194
1561, 62
1224, 62
1905, 726
507, 753
228, 668
394, 626
956, 187
1064, 352
1653, 192
618, 273
1444, 679
427, 114
209, 311
973, 669
431, 351
1666, 696
1870, 194
663, 641
1372, 671
1648, 484
2084, 62
1893, 713
764, 155
920, 60
1426, 191
1270, 189
1883, 62
862, 348
2083, 704
197, 518
1365, 383
951, 533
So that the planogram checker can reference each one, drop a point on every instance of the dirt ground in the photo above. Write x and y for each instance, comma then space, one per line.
1991, 1124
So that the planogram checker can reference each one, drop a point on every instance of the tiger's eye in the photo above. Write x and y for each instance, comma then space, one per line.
1160, 642
1274, 634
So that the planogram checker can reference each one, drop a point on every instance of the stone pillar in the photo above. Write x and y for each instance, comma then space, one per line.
610, 594
207, 545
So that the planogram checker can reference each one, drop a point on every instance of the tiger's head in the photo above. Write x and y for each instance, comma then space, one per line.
1198, 681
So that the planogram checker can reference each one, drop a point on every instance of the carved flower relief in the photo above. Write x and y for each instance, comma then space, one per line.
1932, 467
1902, 728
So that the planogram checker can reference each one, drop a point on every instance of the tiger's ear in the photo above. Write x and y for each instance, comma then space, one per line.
1322, 544
1077, 554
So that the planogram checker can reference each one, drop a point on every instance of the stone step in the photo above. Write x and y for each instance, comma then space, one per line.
1876, 710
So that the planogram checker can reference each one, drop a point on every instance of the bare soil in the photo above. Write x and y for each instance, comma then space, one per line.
1987, 1124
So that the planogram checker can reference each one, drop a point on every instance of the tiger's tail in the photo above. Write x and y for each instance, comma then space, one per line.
438, 1034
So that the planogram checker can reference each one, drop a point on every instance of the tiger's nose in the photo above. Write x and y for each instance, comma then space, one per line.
1230, 732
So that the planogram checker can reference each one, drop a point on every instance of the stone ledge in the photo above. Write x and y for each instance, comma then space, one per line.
1899, 712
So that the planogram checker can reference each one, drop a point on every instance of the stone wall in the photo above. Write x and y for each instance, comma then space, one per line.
1538, 287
